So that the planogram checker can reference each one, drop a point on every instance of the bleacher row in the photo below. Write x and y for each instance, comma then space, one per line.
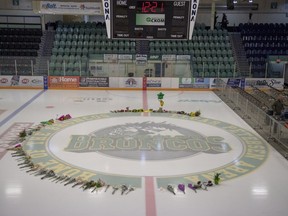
210, 49
262, 40
19, 42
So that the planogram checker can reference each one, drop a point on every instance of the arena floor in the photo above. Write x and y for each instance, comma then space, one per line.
146, 150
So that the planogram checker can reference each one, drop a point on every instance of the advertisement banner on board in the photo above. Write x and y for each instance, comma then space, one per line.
75, 8
125, 57
264, 83
141, 59
22, 81
194, 82
193, 14
153, 82
186, 82
63, 81
107, 16
110, 57
94, 82
169, 58
183, 57
233, 82
9, 80
31, 81
130, 82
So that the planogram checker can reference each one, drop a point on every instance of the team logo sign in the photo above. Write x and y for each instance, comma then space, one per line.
157, 141
101, 146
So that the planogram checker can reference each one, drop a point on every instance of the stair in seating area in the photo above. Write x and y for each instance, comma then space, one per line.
142, 47
44, 53
240, 54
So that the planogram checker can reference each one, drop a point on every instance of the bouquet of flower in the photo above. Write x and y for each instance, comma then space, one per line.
190, 185
217, 178
49, 122
181, 187
171, 189
64, 117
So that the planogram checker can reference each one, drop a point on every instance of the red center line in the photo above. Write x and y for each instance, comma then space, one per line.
149, 180
150, 196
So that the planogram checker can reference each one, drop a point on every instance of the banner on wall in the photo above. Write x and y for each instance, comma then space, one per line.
264, 83
94, 82
110, 57
194, 9
168, 57
63, 81
141, 59
22, 81
194, 82
183, 57
125, 57
233, 82
236, 82
129, 82
153, 82
75, 8
107, 16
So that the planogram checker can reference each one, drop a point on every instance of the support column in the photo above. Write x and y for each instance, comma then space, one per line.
213, 11
43, 22
86, 18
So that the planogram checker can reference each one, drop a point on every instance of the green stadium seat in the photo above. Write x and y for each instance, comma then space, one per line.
73, 51
67, 51
69, 37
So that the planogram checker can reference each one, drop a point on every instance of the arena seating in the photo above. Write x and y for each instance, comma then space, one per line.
210, 49
19, 42
262, 40
74, 42
18, 50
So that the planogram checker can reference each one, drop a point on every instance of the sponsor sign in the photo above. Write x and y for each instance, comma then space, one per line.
126, 82
31, 81
201, 83
233, 82
194, 9
107, 16
125, 57
94, 82
169, 57
155, 57
63, 82
186, 82
9, 80
183, 57
55, 7
110, 57
141, 59
194, 82
23, 81
150, 19
154, 82
236, 82
264, 83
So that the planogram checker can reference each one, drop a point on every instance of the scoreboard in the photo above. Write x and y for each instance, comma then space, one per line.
166, 19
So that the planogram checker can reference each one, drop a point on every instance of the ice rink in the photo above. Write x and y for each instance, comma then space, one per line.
147, 150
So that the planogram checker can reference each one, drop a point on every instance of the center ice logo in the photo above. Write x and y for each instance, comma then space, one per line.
147, 140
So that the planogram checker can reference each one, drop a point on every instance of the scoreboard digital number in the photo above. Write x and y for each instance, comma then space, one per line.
134, 19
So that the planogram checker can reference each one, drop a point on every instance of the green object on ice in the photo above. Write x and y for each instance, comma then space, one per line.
160, 96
